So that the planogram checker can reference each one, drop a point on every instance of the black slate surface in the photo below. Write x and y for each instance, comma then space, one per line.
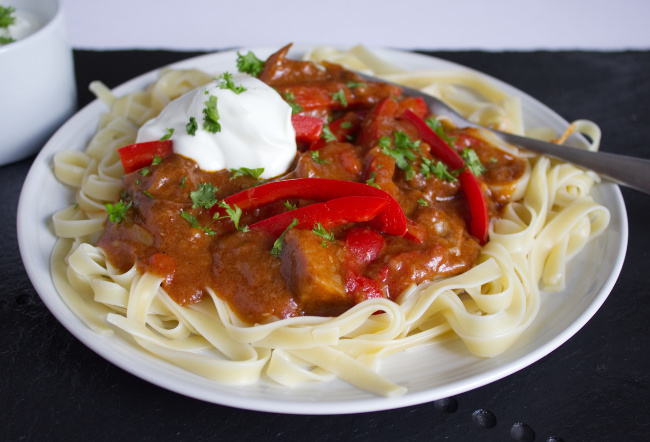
593, 388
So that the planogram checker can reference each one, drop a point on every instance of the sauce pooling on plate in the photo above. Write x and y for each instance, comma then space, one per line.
274, 246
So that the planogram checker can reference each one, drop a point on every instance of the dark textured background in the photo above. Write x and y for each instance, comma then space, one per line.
593, 388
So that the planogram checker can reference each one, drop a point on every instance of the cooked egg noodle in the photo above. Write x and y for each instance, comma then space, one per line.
488, 307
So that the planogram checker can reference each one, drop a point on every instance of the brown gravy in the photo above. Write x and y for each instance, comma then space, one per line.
311, 276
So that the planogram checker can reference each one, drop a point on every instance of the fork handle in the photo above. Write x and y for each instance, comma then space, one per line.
627, 171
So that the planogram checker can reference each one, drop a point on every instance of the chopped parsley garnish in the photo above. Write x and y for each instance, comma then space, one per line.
168, 135
403, 153
320, 231
195, 223
211, 116
371, 181
327, 134
290, 98
290, 206
245, 171
249, 64
439, 169
191, 127
355, 84
6, 40
472, 161
227, 83
315, 155
340, 97
144, 171
117, 211
183, 179
346, 125
6, 16
204, 196
147, 194
439, 129
423, 202
234, 213
277, 245
156, 160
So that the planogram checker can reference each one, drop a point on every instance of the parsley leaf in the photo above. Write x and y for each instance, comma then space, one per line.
320, 231
211, 116
6, 40
346, 125
144, 171
195, 223
227, 83
423, 202
156, 160
204, 196
371, 181
290, 98
290, 206
6, 17
191, 127
315, 155
234, 213
245, 171
472, 161
439, 129
403, 153
355, 84
183, 179
327, 134
117, 211
441, 171
277, 245
340, 97
249, 64
168, 135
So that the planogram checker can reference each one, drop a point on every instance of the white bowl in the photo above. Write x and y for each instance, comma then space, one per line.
37, 82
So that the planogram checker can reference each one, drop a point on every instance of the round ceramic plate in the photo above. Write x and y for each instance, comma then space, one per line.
431, 372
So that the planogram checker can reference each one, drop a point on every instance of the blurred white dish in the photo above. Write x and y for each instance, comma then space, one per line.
37, 83
429, 372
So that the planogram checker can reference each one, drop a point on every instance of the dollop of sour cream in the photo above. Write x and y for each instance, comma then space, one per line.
256, 129
25, 24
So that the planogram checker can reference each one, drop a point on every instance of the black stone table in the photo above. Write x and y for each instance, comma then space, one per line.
593, 388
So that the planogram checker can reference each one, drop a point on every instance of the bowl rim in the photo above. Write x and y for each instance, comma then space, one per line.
52, 23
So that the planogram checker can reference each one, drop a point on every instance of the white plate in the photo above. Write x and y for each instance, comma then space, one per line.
429, 373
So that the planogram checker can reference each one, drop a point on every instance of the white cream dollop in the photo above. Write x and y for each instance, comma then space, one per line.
25, 24
256, 129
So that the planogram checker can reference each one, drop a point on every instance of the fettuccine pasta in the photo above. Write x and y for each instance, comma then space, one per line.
488, 306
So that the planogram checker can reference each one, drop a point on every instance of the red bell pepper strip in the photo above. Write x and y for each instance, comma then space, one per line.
479, 221
308, 129
378, 123
391, 220
438, 147
350, 209
416, 104
343, 129
138, 155
362, 246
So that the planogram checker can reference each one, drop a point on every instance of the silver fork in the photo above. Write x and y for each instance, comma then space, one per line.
628, 171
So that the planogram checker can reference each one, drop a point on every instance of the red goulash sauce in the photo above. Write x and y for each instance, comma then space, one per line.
309, 276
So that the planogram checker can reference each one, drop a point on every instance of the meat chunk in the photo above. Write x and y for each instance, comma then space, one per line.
314, 271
